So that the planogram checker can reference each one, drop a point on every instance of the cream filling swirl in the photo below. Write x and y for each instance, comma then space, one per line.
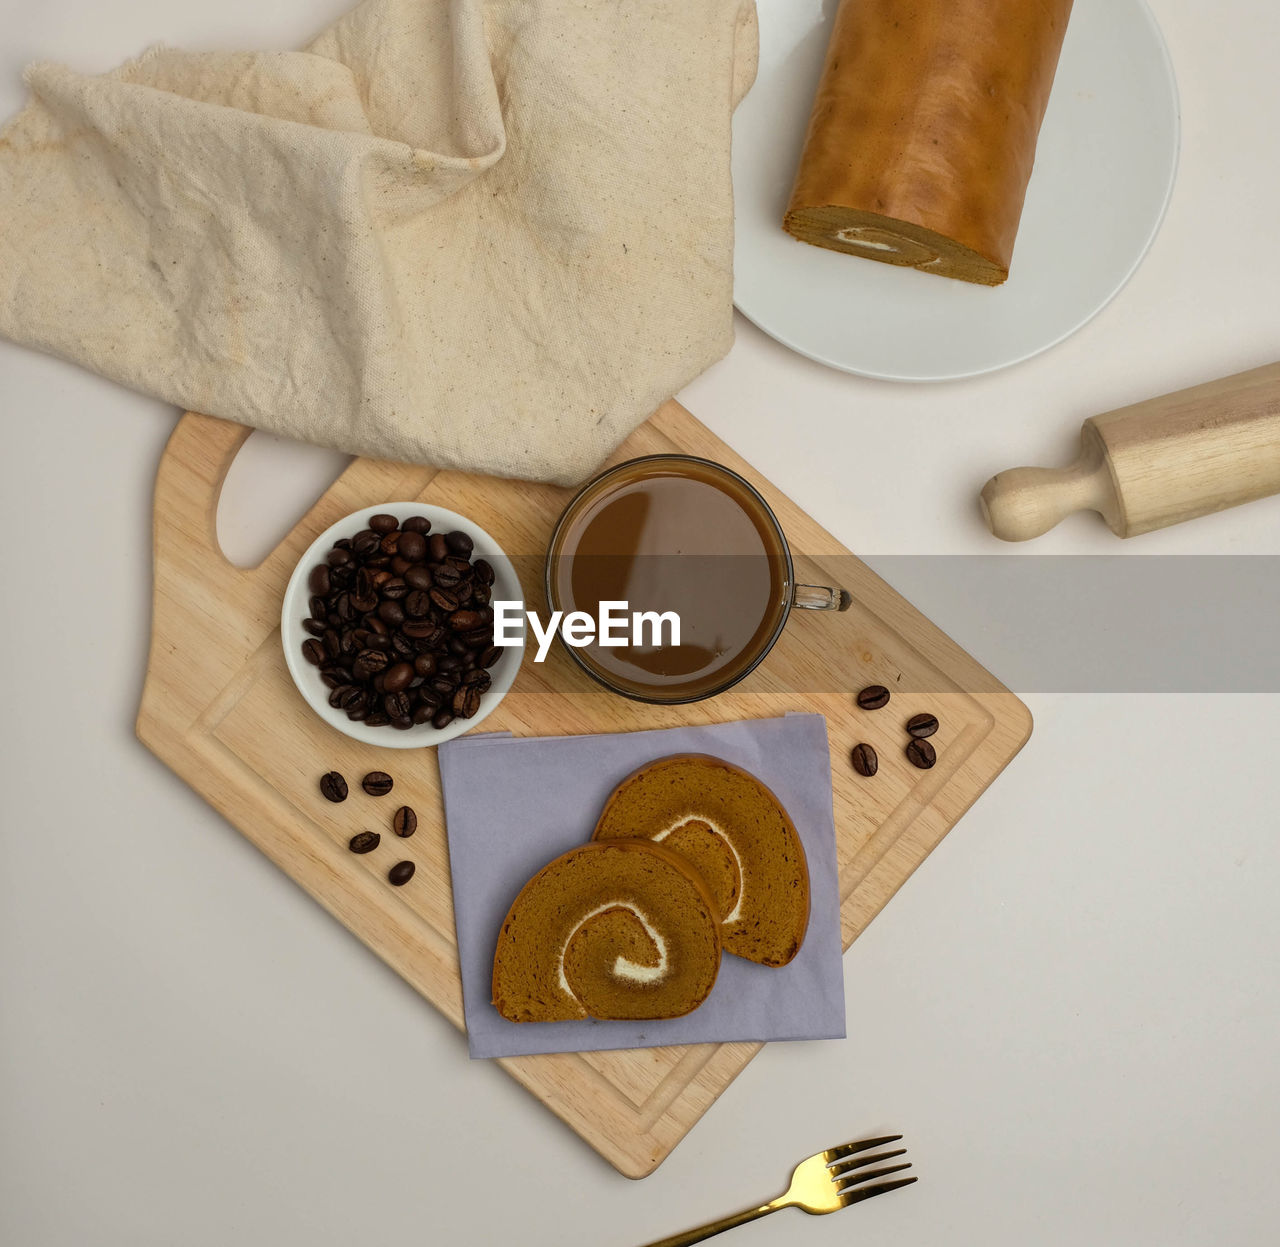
622, 967
736, 911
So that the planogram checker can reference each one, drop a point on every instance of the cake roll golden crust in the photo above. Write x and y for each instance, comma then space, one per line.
923, 132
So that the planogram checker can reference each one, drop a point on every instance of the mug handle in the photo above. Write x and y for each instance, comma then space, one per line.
820, 598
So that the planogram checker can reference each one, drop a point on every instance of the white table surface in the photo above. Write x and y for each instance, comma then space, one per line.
1071, 1009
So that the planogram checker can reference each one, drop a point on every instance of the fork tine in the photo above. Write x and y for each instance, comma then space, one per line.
857, 1195
848, 1149
843, 1166
854, 1179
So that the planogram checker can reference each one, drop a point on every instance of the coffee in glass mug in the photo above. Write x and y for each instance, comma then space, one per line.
675, 535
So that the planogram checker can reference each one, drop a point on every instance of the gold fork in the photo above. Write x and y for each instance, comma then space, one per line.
827, 1182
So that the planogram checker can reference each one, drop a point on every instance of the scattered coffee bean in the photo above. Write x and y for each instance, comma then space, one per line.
377, 783
364, 842
920, 753
400, 873
383, 524
417, 524
922, 725
864, 760
873, 697
333, 786
405, 821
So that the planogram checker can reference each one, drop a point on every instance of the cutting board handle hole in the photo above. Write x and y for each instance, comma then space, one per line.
271, 484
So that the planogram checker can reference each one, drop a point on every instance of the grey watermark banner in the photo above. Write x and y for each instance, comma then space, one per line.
1036, 623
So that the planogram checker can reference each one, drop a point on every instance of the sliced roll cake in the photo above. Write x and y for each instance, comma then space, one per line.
737, 835
618, 930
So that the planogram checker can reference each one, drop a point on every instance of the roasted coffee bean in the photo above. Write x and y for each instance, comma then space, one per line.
317, 608
449, 663
444, 600
920, 753
417, 604
343, 695
400, 565
422, 712
466, 701
417, 524
446, 577
377, 783
358, 713
478, 678
397, 677
443, 684
384, 524
418, 576
343, 543
864, 760
873, 697
483, 571
413, 546
404, 822
368, 663
425, 664
480, 639
391, 613
402, 723
313, 651
377, 628
397, 706
332, 643
364, 842
420, 630
389, 544
333, 787
345, 608
338, 557
393, 589
457, 646
400, 874
402, 647
481, 595
365, 542
377, 719
427, 696
922, 725
442, 718
314, 626
491, 655
320, 581
465, 621
437, 549
459, 543
331, 680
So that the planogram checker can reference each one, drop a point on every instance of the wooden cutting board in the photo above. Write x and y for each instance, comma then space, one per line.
219, 708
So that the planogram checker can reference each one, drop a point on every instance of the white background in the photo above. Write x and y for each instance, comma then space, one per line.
1071, 1009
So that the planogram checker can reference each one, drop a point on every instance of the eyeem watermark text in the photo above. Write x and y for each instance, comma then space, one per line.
616, 625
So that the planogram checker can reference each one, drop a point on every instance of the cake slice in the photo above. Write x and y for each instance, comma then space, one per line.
736, 833
619, 930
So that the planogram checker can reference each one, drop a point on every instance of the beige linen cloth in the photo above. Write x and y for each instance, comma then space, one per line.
486, 234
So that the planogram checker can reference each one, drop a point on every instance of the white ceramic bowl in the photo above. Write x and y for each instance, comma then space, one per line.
297, 596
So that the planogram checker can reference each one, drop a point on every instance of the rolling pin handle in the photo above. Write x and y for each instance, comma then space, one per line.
1025, 502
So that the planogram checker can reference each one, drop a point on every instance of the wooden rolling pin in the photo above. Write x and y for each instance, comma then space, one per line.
1154, 464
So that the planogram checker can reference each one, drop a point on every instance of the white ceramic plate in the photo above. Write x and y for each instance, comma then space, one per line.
506, 586
1105, 167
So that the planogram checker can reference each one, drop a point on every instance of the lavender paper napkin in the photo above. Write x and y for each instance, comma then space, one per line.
514, 803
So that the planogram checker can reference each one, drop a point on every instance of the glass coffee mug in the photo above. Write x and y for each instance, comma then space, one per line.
668, 538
